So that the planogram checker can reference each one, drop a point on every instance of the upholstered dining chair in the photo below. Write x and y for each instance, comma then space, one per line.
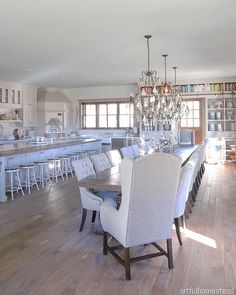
100, 162
186, 175
127, 152
147, 208
136, 150
114, 157
90, 201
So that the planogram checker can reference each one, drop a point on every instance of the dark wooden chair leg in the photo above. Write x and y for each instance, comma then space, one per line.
105, 243
83, 219
170, 253
127, 265
178, 231
94, 216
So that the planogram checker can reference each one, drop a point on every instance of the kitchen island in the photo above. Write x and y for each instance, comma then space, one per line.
16, 154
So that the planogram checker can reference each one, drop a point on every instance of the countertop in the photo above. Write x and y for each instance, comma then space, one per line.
27, 147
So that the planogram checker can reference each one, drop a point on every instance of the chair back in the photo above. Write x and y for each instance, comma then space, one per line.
136, 150
186, 137
186, 175
100, 162
149, 188
114, 157
84, 169
127, 152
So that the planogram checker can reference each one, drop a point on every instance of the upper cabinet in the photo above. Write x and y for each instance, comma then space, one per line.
29, 106
10, 95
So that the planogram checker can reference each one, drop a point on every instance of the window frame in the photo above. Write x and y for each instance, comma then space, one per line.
193, 117
106, 102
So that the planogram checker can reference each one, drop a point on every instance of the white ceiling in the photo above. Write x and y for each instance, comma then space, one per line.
74, 43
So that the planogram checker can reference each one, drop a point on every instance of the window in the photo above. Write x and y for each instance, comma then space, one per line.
107, 115
192, 119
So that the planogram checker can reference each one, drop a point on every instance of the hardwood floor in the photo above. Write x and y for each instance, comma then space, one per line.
42, 251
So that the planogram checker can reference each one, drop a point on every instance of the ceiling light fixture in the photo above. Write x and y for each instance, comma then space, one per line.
155, 100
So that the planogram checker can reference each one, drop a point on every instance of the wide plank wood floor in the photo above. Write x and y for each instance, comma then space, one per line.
43, 253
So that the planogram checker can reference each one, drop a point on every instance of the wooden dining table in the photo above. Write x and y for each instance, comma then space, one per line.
109, 179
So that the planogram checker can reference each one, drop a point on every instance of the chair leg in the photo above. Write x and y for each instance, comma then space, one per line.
83, 219
183, 221
170, 253
105, 243
127, 265
94, 216
178, 231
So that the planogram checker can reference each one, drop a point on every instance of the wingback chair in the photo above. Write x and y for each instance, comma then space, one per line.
149, 188
100, 162
186, 175
127, 152
90, 201
114, 157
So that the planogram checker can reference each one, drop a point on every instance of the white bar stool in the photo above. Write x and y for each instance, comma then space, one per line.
55, 165
44, 175
30, 178
66, 166
14, 172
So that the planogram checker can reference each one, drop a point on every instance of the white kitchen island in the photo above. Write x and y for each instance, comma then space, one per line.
12, 155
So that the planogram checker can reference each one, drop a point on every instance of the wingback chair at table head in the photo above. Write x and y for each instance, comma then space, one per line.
114, 157
100, 162
186, 137
149, 188
186, 175
90, 201
127, 152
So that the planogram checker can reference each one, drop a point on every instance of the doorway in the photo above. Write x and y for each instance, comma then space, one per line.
193, 120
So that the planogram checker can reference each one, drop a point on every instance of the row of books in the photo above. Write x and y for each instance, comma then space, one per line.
210, 87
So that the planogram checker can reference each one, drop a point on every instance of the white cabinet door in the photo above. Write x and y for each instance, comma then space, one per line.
29, 106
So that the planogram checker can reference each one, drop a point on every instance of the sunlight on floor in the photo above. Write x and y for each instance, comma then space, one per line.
200, 238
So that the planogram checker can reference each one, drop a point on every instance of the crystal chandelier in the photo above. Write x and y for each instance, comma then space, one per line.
155, 101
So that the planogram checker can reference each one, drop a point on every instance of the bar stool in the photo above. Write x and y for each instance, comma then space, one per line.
56, 168
14, 172
44, 175
66, 166
30, 178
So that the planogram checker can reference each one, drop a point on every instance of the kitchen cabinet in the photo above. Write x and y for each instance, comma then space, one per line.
29, 106
10, 95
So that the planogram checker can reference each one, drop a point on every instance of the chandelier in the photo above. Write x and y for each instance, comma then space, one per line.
155, 100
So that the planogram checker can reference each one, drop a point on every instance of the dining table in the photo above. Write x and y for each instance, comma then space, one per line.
109, 179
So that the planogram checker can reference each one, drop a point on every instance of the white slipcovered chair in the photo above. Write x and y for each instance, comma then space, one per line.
100, 162
136, 150
114, 157
127, 152
147, 207
90, 201
186, 175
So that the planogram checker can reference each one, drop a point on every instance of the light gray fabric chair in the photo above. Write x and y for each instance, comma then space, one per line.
114, 157
127, 152
186, 137
147, 207
186, 175
90, 201
136, 150
100, 162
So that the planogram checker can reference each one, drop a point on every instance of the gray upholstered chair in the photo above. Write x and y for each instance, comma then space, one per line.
100, 162
127, 152
114, 157
186, 175
147, 207
186, 137
136, 150
90, 201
